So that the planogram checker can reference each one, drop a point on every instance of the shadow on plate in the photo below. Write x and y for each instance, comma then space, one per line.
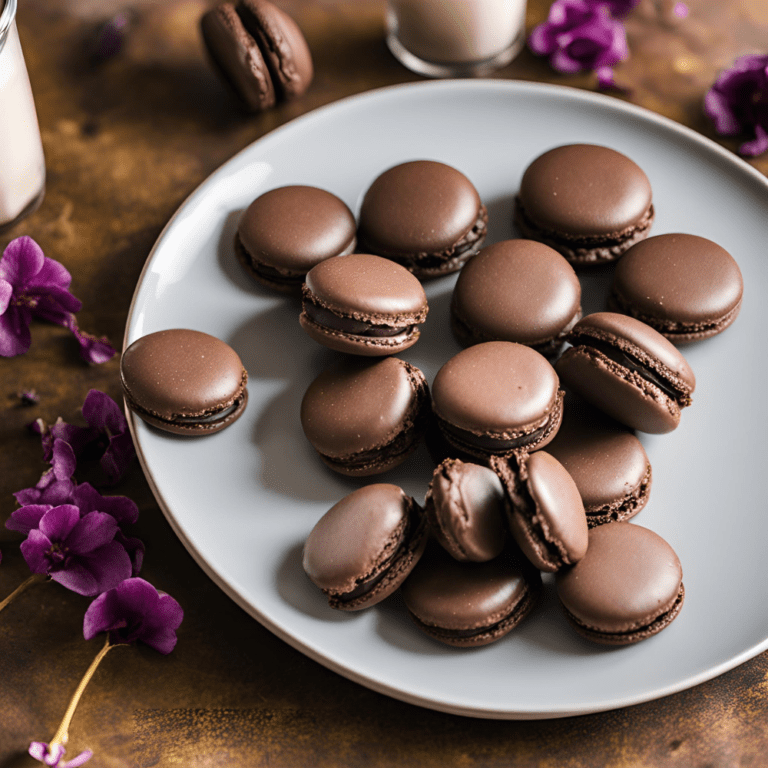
500, 225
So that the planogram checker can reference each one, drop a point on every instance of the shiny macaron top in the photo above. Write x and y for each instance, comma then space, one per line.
585, 190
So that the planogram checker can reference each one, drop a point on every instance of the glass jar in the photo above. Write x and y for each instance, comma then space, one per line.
455, 38
22, 164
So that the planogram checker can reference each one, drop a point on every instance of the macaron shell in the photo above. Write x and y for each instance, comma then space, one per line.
629, 577
283, 46
585, 190
420, 206
517, 290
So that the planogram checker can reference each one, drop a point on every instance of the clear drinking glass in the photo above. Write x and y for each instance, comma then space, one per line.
455, 38
22, 164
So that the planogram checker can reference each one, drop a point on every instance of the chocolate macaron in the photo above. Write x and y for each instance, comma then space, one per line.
628, 370
686, 287
287, 231
183, 381
361, 550
516, 290
606, 461
365, 417
628, 587
259, 50
545, 511
424, 215
496, 399
469, 604
590, 203
363, 305
466, 509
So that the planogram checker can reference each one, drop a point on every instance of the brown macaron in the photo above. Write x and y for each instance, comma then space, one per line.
183, 381
590, 203
606, 461
287, 231
496, 399
628, 587
626, 369
425, 215
363, 305
365, 417
361, 550
685, 287
466, 509
545, 512
516, 290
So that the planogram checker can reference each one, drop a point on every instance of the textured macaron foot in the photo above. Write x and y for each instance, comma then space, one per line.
628, 370
425, 215
685, 287
628, 587
467, 605
590, 203
362, 549
183, 381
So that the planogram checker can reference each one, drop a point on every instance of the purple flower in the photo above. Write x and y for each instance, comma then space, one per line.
618, 8
580, 35
29, 397
135, 611
78, 552
110, 37
52, 756
738, 103
56, 484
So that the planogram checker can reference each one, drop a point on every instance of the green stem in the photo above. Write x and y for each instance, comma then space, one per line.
61, 736
33, 579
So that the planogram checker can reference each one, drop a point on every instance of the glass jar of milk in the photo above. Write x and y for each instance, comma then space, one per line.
455, 38
22, 165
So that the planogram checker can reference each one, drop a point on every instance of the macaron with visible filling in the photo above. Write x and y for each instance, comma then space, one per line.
183, 381
365, 417
606, 461
363, 305
545, 512
590, 203
287, 231
425, 215
495, 399
469, 604
628, 587
361, 550
626, 369
466, 509
516, 290
684, 286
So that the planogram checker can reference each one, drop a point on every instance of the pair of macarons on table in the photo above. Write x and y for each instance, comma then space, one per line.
528, 479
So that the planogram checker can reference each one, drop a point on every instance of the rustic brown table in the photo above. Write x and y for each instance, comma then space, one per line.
126, 141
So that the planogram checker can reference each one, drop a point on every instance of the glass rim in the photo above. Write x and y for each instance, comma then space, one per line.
6, 17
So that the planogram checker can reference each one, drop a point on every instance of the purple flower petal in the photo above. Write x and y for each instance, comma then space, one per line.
757, 146
103, 413
57, 522
92, 531
76, 762
88, 499
681, 10
15, 338
77, 578
94, 350
22, 259
6, 291
52, 275
135, 549
34, 549
109, 565
27, 518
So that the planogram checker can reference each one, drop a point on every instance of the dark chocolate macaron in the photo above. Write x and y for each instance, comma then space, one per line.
469, 604
545, 511
360, 551
589, 202
424, 215
466, 508
497, 398
686, 287
628, 370
365, 417
185, 382
363, 305
259, 51
287, 231
629, 585
606, 461
516, 290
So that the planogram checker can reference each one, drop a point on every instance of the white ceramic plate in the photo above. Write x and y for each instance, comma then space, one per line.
244, 500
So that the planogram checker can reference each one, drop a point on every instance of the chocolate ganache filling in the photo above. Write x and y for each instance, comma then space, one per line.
465, 437
329, 319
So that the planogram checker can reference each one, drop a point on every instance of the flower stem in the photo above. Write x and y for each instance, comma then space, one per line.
33, 579
61, 736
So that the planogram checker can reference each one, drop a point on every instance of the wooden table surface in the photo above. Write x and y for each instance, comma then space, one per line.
126, 141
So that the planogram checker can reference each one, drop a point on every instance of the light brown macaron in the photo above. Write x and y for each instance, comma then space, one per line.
361, 550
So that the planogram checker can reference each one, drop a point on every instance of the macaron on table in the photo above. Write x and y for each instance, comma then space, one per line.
264, 664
